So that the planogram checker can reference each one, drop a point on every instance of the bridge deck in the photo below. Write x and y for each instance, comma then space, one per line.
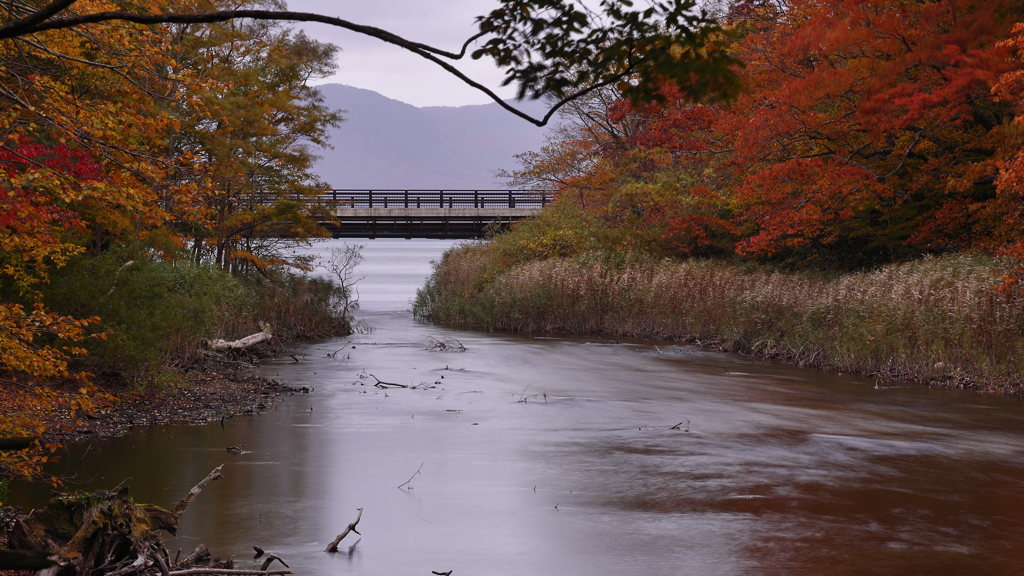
427, 213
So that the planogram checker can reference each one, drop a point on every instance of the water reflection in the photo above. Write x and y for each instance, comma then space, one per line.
558, 456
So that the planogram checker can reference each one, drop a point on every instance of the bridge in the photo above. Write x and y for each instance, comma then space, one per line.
426, 213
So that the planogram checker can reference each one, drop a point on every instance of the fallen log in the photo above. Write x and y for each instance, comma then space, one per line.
240, 344
333, 546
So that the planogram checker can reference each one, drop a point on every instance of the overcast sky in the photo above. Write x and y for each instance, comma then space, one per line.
369, 63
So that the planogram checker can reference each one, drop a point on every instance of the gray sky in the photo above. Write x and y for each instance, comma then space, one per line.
369, 63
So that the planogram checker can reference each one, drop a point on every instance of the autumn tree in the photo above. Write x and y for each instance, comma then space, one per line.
867, 132
250, 136
1010, 182
68, 168
869, 126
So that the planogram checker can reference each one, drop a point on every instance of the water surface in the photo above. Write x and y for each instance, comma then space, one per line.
562, 456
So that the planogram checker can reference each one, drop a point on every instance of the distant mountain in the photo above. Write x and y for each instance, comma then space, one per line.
384, 143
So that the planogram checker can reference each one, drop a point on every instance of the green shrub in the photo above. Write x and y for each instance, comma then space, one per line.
157, 314
154, 312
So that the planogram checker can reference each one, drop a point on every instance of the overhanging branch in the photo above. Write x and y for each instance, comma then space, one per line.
39, 22
628, 60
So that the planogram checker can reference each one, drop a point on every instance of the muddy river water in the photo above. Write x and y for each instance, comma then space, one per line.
562, 456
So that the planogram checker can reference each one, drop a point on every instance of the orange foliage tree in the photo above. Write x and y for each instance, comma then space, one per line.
1010, 184
69, 169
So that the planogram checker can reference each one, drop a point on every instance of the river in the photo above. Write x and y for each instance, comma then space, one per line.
558, 456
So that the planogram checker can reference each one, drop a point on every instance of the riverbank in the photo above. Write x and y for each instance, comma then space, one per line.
936, 321
208, 395
205, 394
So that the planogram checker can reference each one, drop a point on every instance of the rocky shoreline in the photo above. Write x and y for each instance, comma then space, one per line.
211, 394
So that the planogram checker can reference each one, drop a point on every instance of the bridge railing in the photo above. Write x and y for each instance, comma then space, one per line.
344, 198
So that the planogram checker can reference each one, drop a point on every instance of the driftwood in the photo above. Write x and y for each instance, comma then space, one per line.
270, 559
106, 533
182, 504
103, 533
381, 384
200, 554
333, 546
161, 564
241, 343
133, 568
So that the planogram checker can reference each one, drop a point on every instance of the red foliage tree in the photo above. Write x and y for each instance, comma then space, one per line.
868, 131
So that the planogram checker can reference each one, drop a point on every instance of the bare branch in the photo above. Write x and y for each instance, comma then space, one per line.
38, 17
182, 504
23, 27
333, 546
414, 474
270, 559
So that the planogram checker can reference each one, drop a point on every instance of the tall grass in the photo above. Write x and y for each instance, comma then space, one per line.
933, 319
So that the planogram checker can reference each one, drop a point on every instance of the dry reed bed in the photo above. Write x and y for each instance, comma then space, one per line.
936, 319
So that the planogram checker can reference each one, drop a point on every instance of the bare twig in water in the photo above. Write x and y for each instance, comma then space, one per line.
678, 426
448, 573
523, 394
333, 546
525, 399
335, 353
415, 474
381, 384
445, 344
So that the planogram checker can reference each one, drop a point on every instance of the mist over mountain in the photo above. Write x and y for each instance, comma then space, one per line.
384, 143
